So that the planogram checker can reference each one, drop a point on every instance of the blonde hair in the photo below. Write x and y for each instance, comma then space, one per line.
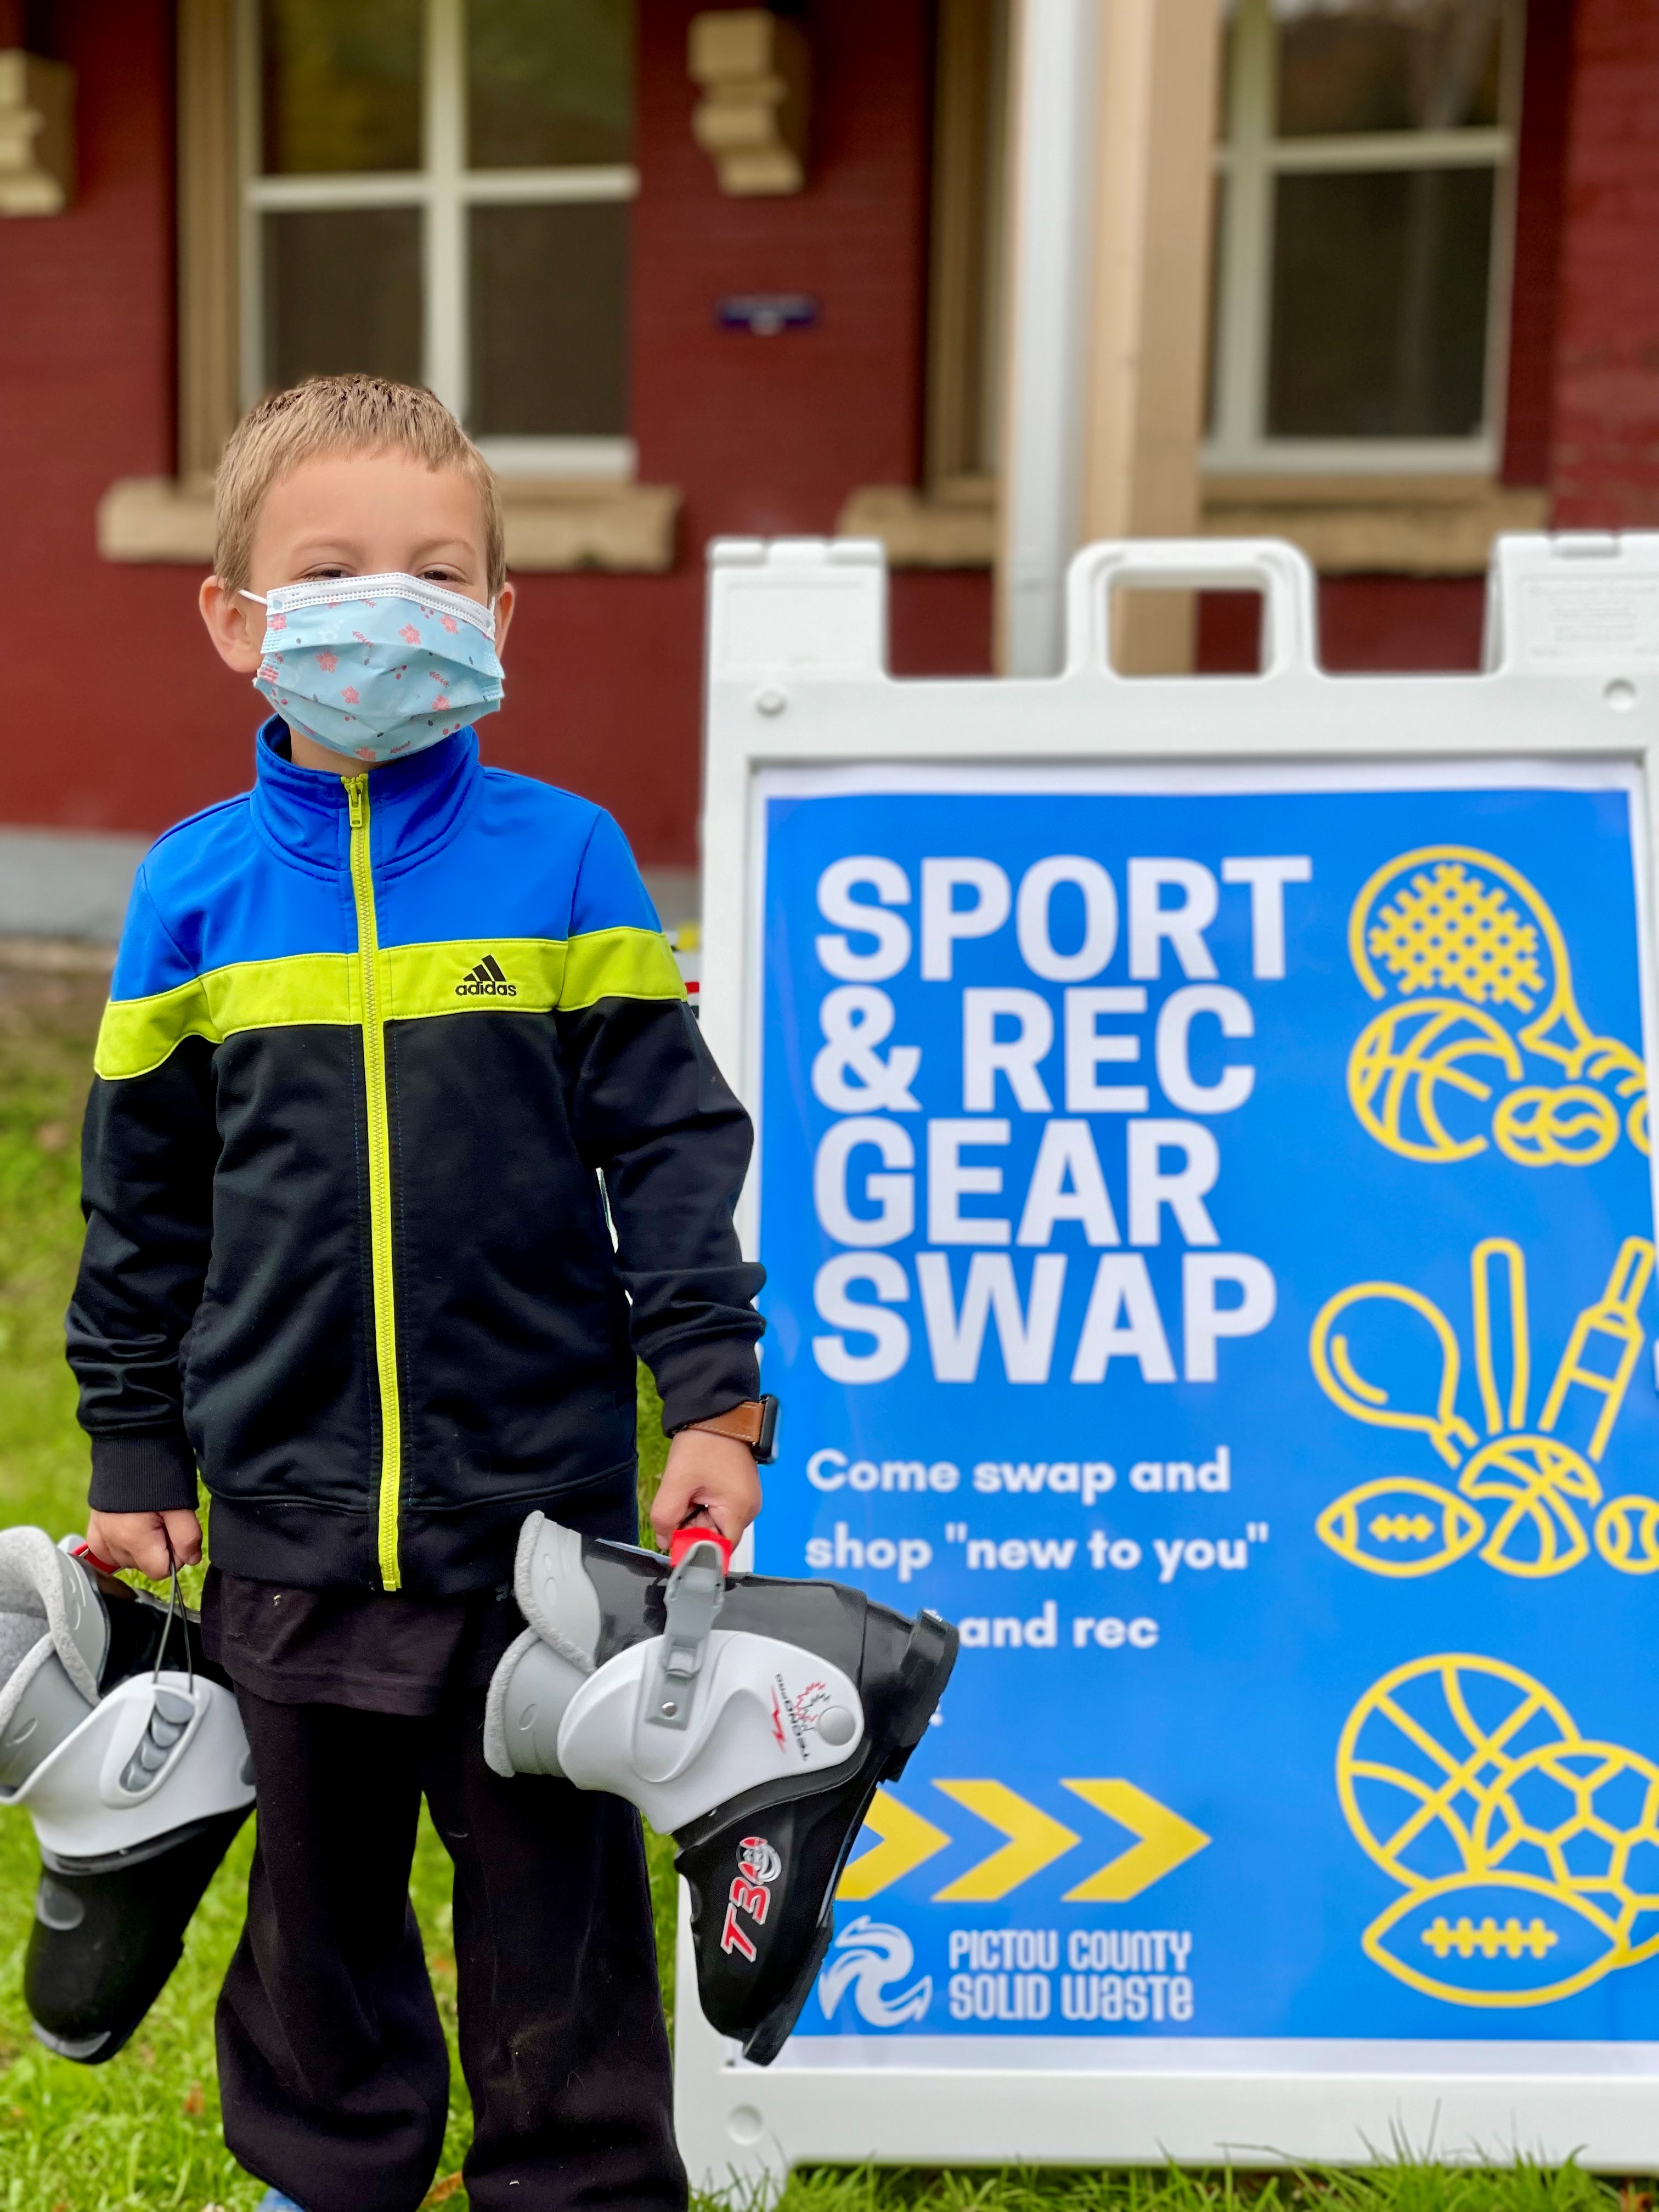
339, 414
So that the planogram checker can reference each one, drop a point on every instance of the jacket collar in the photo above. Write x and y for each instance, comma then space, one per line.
415, 804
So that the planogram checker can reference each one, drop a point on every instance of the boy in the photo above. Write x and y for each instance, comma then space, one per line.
394, 1042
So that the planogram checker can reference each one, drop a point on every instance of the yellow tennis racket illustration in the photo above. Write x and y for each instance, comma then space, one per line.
1526, 1490
1479, 980
1527, 1855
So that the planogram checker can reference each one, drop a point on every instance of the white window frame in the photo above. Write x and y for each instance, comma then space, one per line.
445, 190
1249, 161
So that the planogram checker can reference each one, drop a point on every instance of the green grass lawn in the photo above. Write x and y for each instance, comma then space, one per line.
143, 2131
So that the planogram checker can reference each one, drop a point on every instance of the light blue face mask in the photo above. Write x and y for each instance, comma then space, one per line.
377, 667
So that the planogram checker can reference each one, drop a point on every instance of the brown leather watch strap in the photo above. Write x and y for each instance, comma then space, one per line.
743, 1424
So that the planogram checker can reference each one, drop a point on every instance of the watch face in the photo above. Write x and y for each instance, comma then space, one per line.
766, 1446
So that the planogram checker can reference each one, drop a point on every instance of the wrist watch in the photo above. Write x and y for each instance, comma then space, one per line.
755, 1423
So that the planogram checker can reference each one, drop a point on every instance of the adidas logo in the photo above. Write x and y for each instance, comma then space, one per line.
486, 980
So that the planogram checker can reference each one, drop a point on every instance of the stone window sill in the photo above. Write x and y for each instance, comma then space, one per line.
953, 526
1390, 525
1346, 525
551, 525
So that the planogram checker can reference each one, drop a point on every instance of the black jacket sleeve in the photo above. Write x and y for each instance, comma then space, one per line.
651, 1110
148, 1151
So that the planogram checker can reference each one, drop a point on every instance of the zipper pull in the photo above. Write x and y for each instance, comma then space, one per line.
355, 794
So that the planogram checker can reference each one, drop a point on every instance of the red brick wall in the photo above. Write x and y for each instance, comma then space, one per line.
1396, 624
126, 718
1605, 434
114, 715
764, 435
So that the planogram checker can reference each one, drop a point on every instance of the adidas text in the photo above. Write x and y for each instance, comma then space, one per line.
486, 980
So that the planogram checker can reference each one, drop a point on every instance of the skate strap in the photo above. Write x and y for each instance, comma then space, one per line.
81, 1550
692, 1595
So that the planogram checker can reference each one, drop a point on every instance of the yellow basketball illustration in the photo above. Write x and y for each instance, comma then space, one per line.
1478, 978
1422, 1749
1420, 1075
1401, 1525
1537, 1531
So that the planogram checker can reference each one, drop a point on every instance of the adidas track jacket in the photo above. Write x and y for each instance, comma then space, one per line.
369, 1047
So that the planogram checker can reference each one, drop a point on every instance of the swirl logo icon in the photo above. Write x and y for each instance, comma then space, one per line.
1478, 980
1527, 1855
1525, 1492
870, 1956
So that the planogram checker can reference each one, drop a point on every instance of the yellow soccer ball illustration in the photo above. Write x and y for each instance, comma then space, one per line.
1584, 1817
1401, 1525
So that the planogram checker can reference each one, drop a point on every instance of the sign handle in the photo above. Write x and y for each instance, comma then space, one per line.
1280, 572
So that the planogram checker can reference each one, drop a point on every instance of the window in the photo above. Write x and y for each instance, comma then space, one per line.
439, 190
1362, 226
964, 313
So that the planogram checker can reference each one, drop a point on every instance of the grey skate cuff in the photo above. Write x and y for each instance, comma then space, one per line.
154, 1472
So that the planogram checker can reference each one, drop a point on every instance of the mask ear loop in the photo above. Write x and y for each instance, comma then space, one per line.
258, 597
175, 1605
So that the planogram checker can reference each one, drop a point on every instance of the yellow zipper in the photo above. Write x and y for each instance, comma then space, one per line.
380, 1183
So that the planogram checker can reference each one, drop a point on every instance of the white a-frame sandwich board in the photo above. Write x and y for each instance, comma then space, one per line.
1203, 1173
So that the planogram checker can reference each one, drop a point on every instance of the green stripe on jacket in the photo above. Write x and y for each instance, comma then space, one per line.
417, 982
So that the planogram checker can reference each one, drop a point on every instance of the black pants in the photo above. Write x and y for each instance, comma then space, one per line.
332, 2065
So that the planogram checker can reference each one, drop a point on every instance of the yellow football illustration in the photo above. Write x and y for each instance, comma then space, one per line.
1494, 1940
1401, 1525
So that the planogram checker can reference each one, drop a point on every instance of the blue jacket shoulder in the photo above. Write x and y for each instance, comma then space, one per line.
575, 835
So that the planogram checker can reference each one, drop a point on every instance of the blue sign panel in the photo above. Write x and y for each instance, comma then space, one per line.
1209, 1232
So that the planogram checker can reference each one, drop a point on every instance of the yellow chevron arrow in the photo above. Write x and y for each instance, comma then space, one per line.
1035, 1842
1165, 1840
906, 1840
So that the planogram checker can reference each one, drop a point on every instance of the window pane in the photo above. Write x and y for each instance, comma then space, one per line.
1387, 64
343, 291
342, 85
1379, 304
549, 320
550, 82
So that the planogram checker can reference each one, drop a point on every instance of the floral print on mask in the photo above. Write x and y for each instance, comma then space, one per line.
338, 657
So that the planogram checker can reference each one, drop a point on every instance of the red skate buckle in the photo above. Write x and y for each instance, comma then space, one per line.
683, 1539
83, 1552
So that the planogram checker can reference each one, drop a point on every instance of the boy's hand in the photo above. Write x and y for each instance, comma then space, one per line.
141, 1540
715, 1475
